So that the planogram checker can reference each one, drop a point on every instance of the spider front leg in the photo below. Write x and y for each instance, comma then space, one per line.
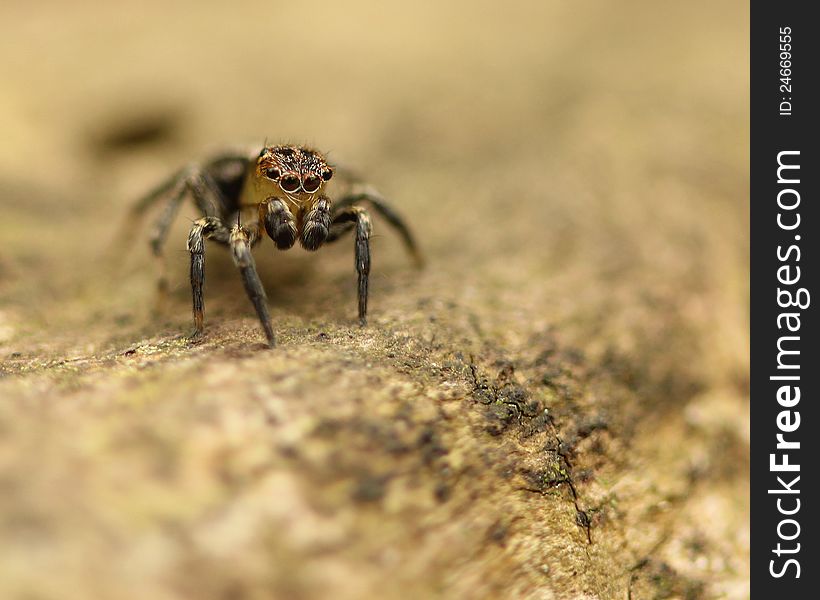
241, 241
344, 221
210, 228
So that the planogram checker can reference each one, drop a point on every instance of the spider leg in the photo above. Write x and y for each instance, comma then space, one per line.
344, 221
205, 228
174, 183
208, 199
338, 230
381, 206
172, 190
157, 240
241, 242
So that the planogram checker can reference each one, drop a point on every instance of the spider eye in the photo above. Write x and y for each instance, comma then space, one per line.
272, 173
289, 183
311, 183
327, 174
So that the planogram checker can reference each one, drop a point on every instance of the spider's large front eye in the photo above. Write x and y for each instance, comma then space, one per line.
311, 183
289, 183
272, 173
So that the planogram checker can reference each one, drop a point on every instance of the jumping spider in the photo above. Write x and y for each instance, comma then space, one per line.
281, 191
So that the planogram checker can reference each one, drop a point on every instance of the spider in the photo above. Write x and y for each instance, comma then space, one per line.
280, 191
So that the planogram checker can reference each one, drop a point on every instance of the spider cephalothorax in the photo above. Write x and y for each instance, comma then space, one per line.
297, 171
284, 189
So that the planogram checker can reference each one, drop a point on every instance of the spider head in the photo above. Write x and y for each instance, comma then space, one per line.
300, 173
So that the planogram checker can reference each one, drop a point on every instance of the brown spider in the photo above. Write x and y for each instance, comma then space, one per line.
281, 191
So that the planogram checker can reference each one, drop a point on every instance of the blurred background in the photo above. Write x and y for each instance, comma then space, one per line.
570, 167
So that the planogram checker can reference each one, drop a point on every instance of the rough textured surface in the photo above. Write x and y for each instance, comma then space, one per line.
555, 408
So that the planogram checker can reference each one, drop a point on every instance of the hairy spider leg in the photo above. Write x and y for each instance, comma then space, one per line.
211, 228
241, 241
344, 221
207, 196
381, 206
